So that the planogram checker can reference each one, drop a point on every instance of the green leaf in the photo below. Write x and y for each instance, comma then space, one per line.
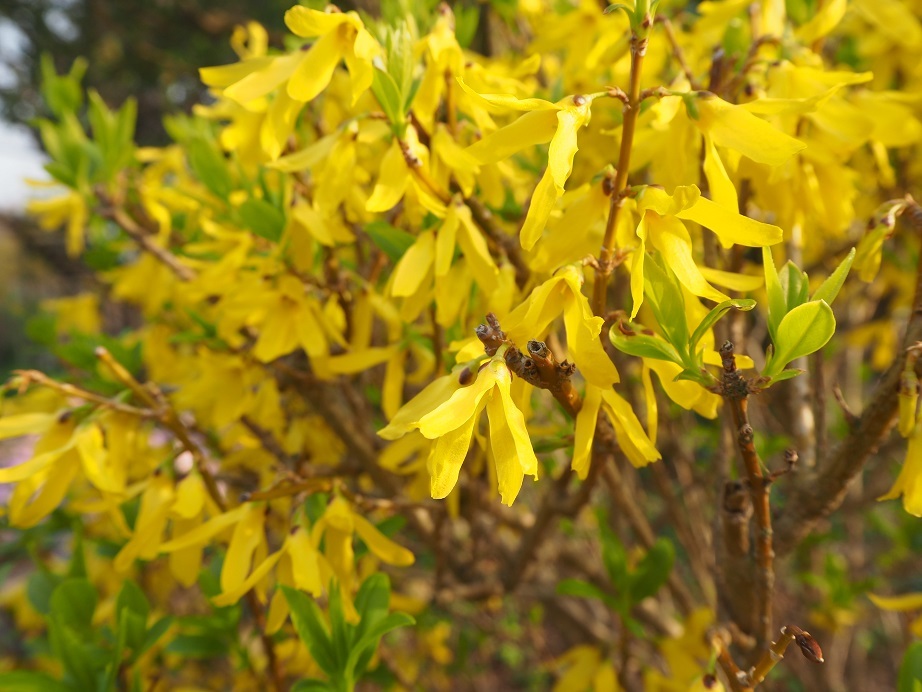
393, 241
209, 166
794, 284
339, 630
910, 678
644, 346
309, 624
62, 93
744, 304
831, 286
787, 375
156, 631
197, 646
369, 641
804, 330
652, 571
73, 603
776, 302
263, 218
667, 302
387, 92
583, 589
39, 588
30, 681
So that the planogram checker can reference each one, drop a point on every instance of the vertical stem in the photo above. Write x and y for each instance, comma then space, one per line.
632, 110
736, 393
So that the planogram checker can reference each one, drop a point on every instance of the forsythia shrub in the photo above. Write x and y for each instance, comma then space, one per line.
309, 413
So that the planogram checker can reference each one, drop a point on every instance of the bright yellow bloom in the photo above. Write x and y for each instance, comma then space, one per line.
69, 208
447, 412
543, 121
340, 36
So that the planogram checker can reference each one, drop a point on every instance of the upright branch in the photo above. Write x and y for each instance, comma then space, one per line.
735, 390
608, 254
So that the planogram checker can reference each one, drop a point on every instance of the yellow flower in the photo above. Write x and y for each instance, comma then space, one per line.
585, 668
340, 36
52, 213
447, 412
543, 121
909, 482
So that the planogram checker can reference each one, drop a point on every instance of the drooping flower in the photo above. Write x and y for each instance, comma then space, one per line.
447, 412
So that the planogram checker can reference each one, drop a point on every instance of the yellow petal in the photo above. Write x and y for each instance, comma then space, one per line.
265, 80
392, 181
525, 132
96, 464
563, 145
32, 509
745, 283
414, 265
308, 23
358, 361
736, 128
824, 21
509, 473
637, 260
476, 252
731, 228
304, 566
514, 420
628, 430
446, 457
909, 482
383, 547
248, 535
445, 241
543, 201
722, 190
585, 431
308, 157
203, 534
190, 497
408, 417
231, 596
35, 465
671, 238
25, 424
315, 69
909, 601
186, 564
506, 102
459, 408
584, 344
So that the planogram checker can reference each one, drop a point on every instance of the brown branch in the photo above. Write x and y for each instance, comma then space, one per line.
40, 378
808, 646
144, 238
736, 391
538, 367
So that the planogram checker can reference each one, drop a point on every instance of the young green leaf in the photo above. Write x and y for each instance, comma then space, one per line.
776, 302
652, 571
804, 330
715, 314
910, 679
831, 286
73, 603
794, 284
644, 346
582, 589
369, 641
665, 297
309, 624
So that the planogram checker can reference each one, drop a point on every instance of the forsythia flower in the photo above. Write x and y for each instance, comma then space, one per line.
447, 412
341, 36
543, 121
